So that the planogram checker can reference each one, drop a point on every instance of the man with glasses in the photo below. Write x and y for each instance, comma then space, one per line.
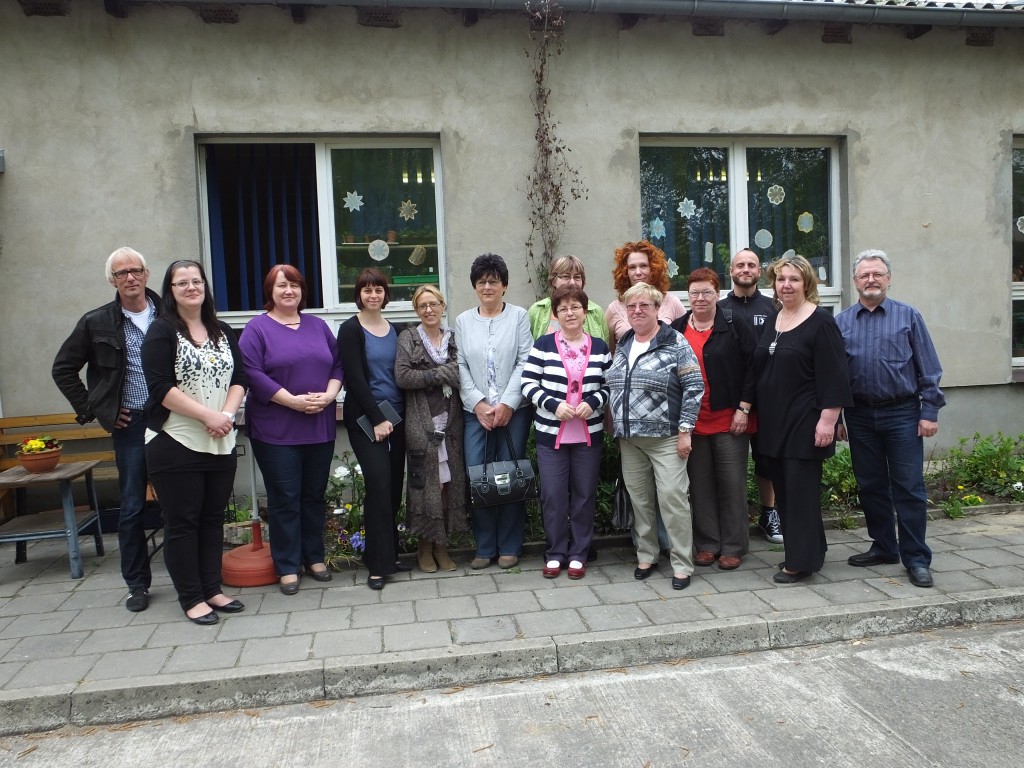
107, 342
895, 374
753, 307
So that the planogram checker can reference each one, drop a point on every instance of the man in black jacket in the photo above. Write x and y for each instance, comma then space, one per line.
107, 342
748, 303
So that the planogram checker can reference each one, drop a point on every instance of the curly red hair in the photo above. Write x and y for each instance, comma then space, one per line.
655, 257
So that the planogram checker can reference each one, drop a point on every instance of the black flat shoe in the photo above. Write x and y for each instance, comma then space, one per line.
402, 567
785, 577
920, 576
643, 573
235, 606
206, 619
680, 583
291, 588
322, 576
375, 582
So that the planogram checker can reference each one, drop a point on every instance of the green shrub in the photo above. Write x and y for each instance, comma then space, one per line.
991, 464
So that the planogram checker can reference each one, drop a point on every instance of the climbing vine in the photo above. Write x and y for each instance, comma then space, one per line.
554, 181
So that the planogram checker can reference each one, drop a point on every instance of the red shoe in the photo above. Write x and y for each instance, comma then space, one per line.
704, 558
578, 573
552, 573
728, 562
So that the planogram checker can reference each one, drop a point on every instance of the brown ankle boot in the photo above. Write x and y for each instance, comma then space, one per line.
425, 557
444, 560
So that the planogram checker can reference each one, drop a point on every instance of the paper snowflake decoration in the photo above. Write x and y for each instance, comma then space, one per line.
657, 228
787, 255
776, 194
378, 250
673, 268
805, 222
353, 202
686, 208
407, 210
1020, 223
763, 238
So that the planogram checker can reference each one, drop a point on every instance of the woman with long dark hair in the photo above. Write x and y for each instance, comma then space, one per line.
196, 383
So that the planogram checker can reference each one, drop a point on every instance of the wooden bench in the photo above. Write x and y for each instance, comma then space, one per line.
81, 443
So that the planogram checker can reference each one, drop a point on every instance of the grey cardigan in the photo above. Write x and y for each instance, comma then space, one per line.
510, 335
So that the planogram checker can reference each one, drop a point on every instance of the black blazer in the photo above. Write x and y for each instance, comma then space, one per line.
727, 359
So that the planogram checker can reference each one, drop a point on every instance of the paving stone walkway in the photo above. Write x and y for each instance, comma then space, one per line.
71, 653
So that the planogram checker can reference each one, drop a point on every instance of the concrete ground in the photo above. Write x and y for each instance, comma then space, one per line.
949, 697
71, 654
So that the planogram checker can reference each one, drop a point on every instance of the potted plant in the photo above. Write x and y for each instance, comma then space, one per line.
40, 454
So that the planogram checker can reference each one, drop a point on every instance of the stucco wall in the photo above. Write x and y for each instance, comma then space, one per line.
99, 118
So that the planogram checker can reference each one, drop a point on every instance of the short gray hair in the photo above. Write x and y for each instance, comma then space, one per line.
123, 251
643, 291
872, 254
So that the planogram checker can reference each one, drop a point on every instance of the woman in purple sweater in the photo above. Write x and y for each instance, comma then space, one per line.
295, 374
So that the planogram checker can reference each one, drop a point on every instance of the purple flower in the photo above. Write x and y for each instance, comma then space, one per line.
358, 542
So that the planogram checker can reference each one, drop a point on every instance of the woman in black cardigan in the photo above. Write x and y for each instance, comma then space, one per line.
718, 464
367, 345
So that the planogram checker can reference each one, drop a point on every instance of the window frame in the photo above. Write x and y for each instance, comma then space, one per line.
1016, 288
336, 308
831, 296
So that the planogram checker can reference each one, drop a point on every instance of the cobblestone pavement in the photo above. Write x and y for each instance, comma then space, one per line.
71, 653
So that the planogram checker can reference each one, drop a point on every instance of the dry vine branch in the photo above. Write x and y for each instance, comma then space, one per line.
554, 181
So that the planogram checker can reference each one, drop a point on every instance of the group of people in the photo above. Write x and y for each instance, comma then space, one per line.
686, 393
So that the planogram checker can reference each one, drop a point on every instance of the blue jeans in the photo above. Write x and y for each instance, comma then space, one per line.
130, 458
498, 530
295, 477
888, 461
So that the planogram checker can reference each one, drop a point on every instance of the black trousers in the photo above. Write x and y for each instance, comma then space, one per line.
383, 466
193, 489
797, 485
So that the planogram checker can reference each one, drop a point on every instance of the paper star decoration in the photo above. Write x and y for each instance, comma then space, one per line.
673, 268
686, 208
353, 202
657, 228
407, 210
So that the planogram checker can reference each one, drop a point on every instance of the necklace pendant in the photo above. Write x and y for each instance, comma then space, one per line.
771, 348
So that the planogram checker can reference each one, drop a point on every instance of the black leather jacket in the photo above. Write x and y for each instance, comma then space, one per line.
96, 342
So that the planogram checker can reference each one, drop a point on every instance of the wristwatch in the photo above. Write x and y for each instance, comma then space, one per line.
685, 430
743, 410
229, 415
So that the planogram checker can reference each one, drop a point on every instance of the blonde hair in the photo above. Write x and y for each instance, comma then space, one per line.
801, 265
426, 289
643, 291
566, 265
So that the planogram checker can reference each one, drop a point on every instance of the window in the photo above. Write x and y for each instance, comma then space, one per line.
1017, 258
702, 201
331, 208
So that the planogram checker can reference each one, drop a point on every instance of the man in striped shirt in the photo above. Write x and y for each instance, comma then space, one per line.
895, 376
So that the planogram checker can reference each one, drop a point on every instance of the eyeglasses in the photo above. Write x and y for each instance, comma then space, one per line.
644, 306
194, 282
431, 305
872, 276
698, 294
488, 283
121, 274
565, 310
575, 278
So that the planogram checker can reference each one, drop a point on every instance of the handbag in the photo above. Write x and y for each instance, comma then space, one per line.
502, 482
622, 506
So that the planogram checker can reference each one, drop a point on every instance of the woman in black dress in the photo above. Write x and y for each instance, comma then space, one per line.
802, 387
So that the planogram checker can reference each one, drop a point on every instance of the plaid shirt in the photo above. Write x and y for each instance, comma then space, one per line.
135, 391
661, 393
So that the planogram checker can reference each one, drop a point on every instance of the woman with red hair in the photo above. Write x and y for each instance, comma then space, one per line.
641, 262
295, 374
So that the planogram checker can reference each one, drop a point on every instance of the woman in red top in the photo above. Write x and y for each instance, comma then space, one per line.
718, 463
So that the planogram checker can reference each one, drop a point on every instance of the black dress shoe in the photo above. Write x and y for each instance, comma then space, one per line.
864, 559
642, 573
206, 619
921, 577
324, 575
680, 583
785, 577
235, 606
375, 582
402, 567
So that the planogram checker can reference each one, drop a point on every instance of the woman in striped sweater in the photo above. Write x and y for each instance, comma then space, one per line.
564, 379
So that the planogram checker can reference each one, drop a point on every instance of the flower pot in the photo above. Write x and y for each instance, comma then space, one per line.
41, 461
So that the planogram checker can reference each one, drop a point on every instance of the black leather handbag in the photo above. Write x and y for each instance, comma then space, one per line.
622, 506
502, 482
